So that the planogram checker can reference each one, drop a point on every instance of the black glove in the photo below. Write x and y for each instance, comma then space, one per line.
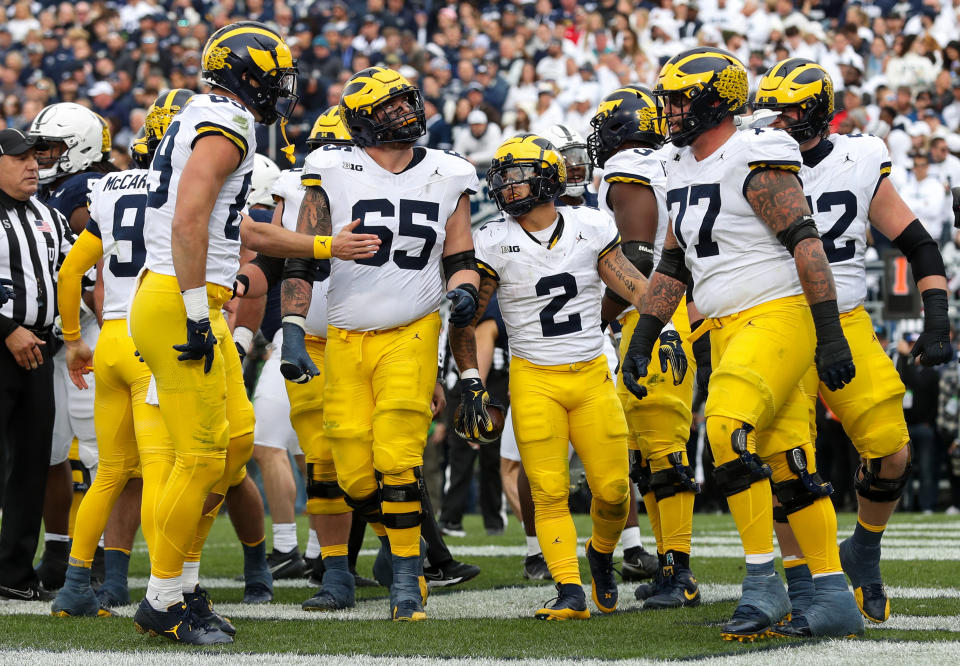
933, 346
833, 358
463, 304
671, 352
295, 363
474, 423
702, 354
199, 344
637, 358
6, 291
241, 351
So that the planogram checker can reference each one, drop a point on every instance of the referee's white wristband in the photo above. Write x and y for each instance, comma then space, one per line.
471, 373
195, 301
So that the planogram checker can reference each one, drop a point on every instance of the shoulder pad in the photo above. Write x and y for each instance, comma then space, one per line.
287, 183
231, 118
768, 147
325, 157
457, 163
492, 232
590, 217
636, 165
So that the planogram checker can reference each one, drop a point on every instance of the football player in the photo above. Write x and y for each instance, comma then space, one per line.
69, 163
573, 147
383, 322
548, 269
845, 178
742, 229
626, 142
198, 185
130, 432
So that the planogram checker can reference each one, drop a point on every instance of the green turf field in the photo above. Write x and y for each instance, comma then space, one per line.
490, 617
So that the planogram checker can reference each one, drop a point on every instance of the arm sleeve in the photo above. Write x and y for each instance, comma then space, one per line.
86, 252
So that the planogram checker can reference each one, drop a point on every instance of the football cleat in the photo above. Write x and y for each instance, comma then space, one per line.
676, 590
763, 602
604, 585
638, 564
451, 573
535, 568
337, 590
862, 565
569, 604
32, 592
258, 590
833, 613
111, 596
201, 607
78, 600
452, 529
800, 588
362, 581
644, 591
383, 564
408, 590
98, 572
287, 565
178, 624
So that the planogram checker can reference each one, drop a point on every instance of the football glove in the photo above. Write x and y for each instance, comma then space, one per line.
671, 353
637, 358
241, 351
933, 346
199, 344
295, 363
6, 291
463, 304
474, 423
832, 357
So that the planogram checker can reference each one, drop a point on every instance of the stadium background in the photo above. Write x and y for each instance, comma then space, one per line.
490, 70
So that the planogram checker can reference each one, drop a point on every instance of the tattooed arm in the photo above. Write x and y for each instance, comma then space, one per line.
296, 292
463, 341
665, 290
636, 213
622, 277
777, 198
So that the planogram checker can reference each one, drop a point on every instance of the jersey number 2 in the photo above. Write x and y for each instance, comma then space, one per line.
827, 202
548, 316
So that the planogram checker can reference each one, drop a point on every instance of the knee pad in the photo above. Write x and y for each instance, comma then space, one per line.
803, 490
871, 486
639, 473
324, 496
553, 488
614, 492
675, 479
743, 471
404, 492
82, 479
367, 507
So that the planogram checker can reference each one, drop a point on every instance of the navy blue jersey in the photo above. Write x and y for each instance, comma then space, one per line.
590, 200
271, 314
72, 193
493, 313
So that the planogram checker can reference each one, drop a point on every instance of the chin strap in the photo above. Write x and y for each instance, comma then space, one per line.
287, 147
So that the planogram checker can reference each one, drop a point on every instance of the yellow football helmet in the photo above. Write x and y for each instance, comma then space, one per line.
707, 85
107, 137
329, 129
801, 83
629, 114
160, 114
139, 152
254, 63
526, 159
364, 108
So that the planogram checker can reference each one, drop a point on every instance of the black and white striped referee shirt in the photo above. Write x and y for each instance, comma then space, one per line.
34, 239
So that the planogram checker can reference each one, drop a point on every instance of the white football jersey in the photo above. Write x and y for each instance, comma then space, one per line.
289, 188
735, 258
550, 298
117, 204
204, 115
641, 166
839, 191
409, 211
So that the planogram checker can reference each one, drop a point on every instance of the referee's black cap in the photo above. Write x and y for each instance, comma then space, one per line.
15, 142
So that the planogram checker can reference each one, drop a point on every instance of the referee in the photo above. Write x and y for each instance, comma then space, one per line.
34, 239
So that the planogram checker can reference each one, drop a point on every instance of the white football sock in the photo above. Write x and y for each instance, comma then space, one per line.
164, 592
631, 537
533, 546
284, 537
313, 545
190, 577
50, 536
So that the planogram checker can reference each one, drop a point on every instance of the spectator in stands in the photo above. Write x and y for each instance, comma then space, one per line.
439, 135
478, 140
926, 196
944, 166
920, 404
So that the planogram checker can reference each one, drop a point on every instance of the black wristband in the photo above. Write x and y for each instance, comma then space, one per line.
645, 334
935, 317
640, 254
826, 319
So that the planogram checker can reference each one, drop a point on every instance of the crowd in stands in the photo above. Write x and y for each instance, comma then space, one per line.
488, 70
